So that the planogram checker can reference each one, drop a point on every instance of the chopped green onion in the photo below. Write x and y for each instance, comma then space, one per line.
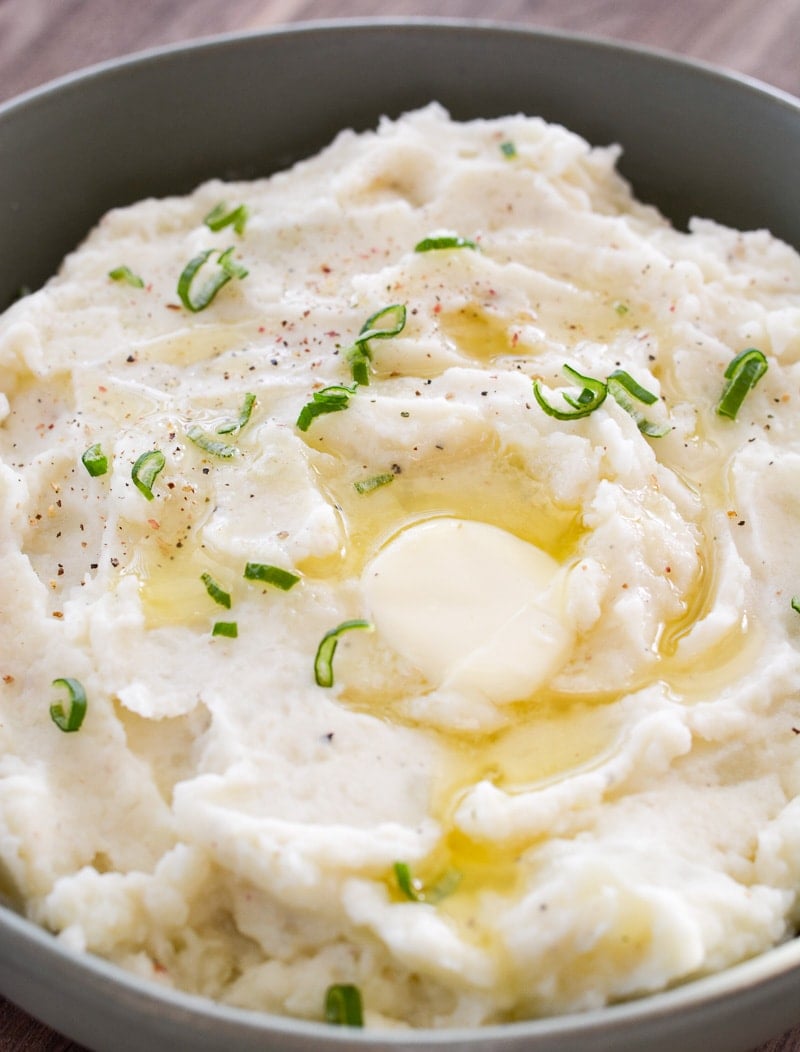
621, 308
444, 241
125, 274
95, 461
273, 575
243, 418
382, 325
210, 444
359, 356
328, 400
742, 374
394, 318
229, 629
508, 149
632, 387
343, 1005
72, 720
412, 889
623, 389
145, 471
370, 484
218, 594
796, 603
227, 269
592, 396
323, 662
416, 892
218, 218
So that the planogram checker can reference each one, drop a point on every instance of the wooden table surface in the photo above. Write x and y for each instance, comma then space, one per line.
42, 39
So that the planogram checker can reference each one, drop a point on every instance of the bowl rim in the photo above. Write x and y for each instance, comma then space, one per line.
213, 41
749, 976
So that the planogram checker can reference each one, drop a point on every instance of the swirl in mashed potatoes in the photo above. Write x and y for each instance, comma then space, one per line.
563, 767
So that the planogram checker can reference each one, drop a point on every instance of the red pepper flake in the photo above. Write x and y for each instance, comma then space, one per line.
8, 679
154, 523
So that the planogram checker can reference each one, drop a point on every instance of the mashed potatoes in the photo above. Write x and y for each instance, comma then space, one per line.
412, 660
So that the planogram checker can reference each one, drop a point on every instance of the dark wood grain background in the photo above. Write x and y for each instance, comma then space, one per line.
43, 39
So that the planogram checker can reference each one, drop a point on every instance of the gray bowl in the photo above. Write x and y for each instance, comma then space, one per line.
696, 141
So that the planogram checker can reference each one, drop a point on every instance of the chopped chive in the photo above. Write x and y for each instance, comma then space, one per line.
592, 396
229, 629
508, 149
219, 217
343, 1005
796, 603
219, 595
72, 720
632, 387
95, 461
145, 471
323, 662
125, 274
227, 269
273, 575
444, 241
621, 308
386, 322
382, 325
414, 889
209, 444
329, 400
624, 390
243, 418
359, 356
742, 374
370, 484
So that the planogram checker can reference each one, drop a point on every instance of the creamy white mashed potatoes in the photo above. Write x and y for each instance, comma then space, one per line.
576, 720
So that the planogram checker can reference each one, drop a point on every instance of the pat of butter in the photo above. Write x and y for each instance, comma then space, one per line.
474, 608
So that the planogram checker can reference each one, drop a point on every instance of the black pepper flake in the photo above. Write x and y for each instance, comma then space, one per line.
114, 562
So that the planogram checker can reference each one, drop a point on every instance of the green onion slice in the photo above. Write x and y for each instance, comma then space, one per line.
125, 274
227, 269
95, 461
508, 149
343, 1005
444, 241
593, 394
382, 325
219, 217
742, 374
219, 595
145, 471
229, 629
370, 484
273, 575
209, 444
411, 888
626, 392
243, 418
323, 662
796, 603
328, 400
415, 891
72, 720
